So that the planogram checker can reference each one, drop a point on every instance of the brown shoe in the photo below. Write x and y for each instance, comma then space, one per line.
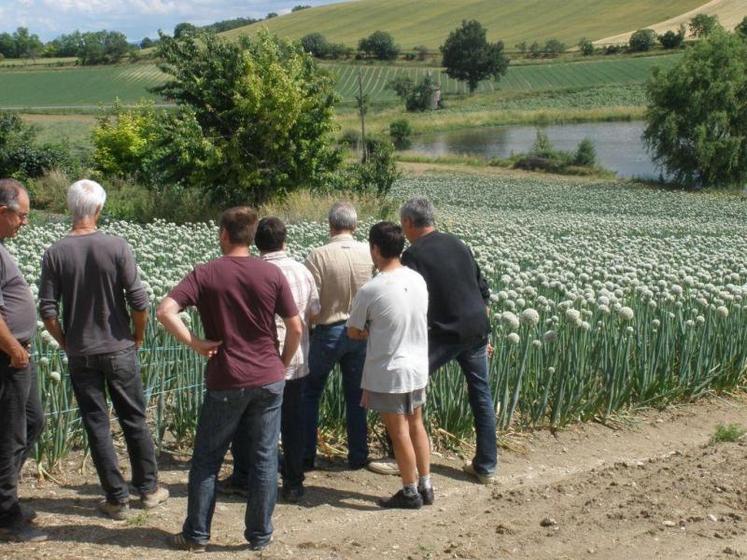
116, 510
155, 498
180, 542
21, 532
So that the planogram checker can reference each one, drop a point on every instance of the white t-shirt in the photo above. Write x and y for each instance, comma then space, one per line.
393, 307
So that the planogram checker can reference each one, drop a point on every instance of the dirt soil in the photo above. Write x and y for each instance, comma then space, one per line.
649, 487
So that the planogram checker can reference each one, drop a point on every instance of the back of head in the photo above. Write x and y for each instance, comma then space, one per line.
419, 210
388, 238
240, 224
342, 217
271, 235
85, 199
9, 191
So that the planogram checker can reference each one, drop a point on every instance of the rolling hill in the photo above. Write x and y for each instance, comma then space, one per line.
428, 22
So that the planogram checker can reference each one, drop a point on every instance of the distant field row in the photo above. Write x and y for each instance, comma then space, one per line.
86, 88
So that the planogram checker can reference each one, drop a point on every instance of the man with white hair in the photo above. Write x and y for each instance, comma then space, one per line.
94, 275
339, 269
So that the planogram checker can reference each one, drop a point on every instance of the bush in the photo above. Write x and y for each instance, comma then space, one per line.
741, 29
586, 47
417, 97
316, 44
586, 154
380, 45
400, 132
703, 25
672, 40
376, 174
613, 49
642, 40
542, 146
553, 48
697, 113
123, 138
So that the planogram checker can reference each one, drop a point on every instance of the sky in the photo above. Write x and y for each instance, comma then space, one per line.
134, 18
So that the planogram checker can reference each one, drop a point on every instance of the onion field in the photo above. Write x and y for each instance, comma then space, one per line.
605, 297
87, 88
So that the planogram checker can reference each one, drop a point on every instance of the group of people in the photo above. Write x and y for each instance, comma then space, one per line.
274, 329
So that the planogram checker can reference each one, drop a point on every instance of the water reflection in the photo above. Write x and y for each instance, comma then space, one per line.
618, 144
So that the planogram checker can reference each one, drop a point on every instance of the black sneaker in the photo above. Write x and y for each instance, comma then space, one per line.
293, 494
21, 532
402, 501
427, 495
256, 546
27, 513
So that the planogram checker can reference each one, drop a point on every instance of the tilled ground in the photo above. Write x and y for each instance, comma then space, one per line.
653, 487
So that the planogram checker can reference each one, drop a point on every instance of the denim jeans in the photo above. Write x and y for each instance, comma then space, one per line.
21, 421
291, 428
330, 345
254, 414
472, 358
119, 373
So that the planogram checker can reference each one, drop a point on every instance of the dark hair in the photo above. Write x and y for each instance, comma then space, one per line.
240, 223
270, 235
389, 239
9, 191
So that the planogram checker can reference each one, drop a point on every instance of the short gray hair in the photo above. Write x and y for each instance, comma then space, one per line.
85, 198
342, 216
419, 211
9, 191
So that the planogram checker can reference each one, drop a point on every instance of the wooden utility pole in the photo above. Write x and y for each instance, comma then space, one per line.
362, 102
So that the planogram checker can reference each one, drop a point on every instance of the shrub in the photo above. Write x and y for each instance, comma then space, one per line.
672, 40
586, 154
586, 47
729, 433
741, 29
316, 44
380, 45
122, 138
542, 146
400, 132
553, 48
642, 40
703, 25
375, 175
613, 49
417, 97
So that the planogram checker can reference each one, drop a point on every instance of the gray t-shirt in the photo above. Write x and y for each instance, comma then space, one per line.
393, 307
16, 300
92, 275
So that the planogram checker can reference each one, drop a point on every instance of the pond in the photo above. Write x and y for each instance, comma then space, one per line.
618, 145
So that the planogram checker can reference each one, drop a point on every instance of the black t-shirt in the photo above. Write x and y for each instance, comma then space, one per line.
457, 291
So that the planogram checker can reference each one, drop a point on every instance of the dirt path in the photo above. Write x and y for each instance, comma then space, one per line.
654, 488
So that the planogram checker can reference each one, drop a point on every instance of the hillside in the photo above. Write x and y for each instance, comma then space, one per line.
428, 22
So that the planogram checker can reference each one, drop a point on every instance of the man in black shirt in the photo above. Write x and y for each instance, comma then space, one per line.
458, 324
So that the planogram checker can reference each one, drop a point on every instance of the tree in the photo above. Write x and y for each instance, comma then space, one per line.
254, 118
26, 44
703, 25
469, 57
316, 44
697, 114
7, 45
271, 15
741, 29
147, 43
672, 40
380, 45
300, 7
586, 47
642, 40
553, 48
103, 47
400, 132
183, 29
122, 138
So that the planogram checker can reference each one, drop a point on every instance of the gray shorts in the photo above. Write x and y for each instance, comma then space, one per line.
394, 403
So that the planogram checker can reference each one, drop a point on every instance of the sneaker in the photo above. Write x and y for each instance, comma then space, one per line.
256, 546
293, 494
384, 466
27, 513
116, 510
21, 532
481, 478
227, 487
402, 501
155, 498
427, 495
180, 542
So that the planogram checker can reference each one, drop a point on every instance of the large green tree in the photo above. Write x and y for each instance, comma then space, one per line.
254, 118
697, 114
469, 57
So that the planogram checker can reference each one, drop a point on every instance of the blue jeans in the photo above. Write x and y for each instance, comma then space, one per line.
472, 358
330, 345
255, 415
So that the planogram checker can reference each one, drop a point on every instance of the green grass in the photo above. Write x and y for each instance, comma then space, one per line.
428, 22
87, 88
728, 433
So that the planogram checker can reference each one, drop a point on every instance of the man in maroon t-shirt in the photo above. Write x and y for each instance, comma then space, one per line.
237, 297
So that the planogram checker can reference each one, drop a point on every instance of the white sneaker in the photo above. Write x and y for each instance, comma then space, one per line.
384, 466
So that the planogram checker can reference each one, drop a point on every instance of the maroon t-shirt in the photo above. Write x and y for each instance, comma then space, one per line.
237, 298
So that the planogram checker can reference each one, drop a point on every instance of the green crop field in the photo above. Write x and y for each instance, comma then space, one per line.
87, 88
428, 22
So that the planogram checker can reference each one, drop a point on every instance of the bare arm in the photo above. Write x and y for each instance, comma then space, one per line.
139, 322
53, 326
168, 316
19, 356
293, 331
357, 334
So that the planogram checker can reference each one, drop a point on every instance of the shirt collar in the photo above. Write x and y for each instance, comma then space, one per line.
274, 256
341, 237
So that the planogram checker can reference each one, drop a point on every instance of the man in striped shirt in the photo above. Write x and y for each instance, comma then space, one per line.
270, 240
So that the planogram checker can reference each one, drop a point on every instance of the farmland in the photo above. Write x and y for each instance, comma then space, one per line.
605, 297
419, 22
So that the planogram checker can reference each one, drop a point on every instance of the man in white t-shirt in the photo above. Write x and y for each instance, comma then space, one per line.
391, 311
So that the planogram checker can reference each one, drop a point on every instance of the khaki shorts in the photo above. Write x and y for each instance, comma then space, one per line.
394, 403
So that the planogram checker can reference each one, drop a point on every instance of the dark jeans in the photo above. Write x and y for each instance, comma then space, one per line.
255, 415
21, 422
330, 345
472, 358
119, 372
291, 428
